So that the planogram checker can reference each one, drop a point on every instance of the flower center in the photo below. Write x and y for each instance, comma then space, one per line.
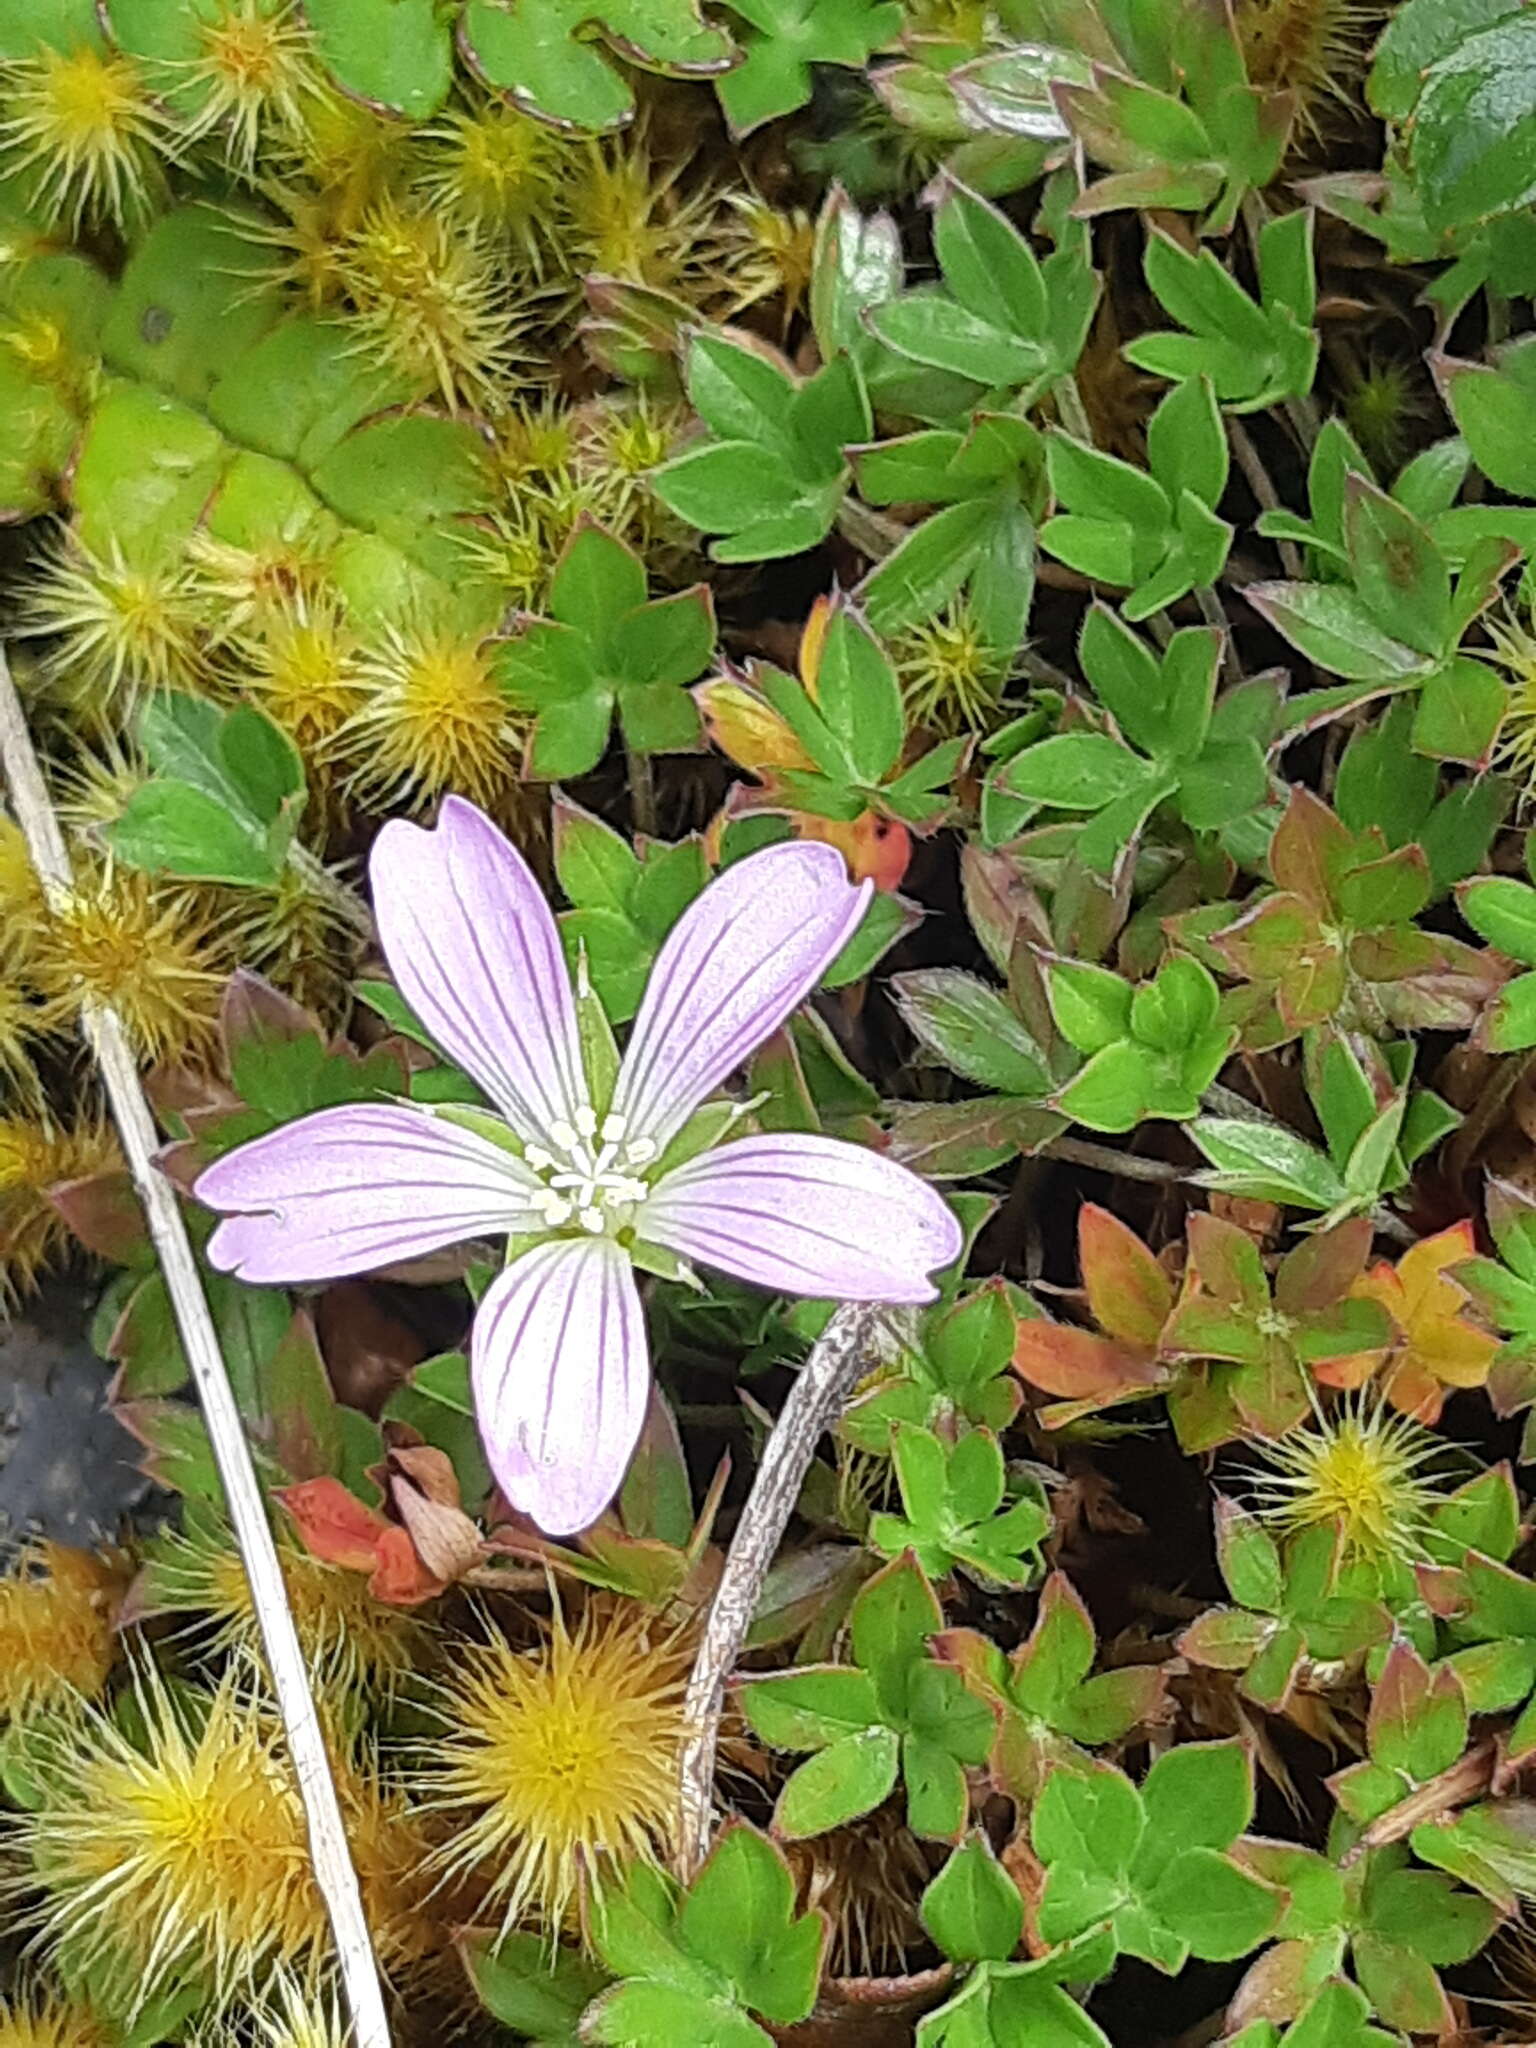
593, 1173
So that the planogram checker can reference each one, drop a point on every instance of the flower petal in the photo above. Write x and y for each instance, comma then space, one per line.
807, 1215
561, 1377
354, 1188
475, 951
740, 958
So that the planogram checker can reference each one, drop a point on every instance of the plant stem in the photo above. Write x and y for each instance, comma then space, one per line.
1251, 463
642, 792
335, 1875
1105, 1159
838, 1358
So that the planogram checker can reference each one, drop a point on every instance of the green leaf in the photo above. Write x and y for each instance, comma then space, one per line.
852, 1777
1460, 710
394, 54
1187, 443
1074, 771
784, 38
965, 1023
1399, 573
526, 1985
656, 2015
543, 55
1267, 1162
1199, 1795
1218, 1909
810, 1707
1474, 134
739, 1917
972, 1909
1332, 628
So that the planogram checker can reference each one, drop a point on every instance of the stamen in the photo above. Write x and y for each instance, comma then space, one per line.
592, 1219
536, 1157
614, 1127
586, 1120
640, 1151
564, 1135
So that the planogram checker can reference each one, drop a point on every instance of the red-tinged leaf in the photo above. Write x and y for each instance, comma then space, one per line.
1273, 1397
1227, 1263
1395, 953
1399, 1705
335, 1525
1128, 1291
1309, 848
399, 1577
1444, 1590
104, 1213
1225, 1638
302, 1416
1075, 1365
1323, 1268
1266, 942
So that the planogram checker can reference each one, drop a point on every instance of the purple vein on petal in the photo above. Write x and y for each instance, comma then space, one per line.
475, 950
741, 958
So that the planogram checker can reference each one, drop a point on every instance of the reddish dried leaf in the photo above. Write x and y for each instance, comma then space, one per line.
1227, 1263
334, 1524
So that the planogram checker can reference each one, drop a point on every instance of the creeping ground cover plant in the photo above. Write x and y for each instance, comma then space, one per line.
768, 894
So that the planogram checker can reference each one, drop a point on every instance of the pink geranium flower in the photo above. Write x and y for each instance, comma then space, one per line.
582, 1187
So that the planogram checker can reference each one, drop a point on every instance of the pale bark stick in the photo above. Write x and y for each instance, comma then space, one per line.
103, 1030
840, 1355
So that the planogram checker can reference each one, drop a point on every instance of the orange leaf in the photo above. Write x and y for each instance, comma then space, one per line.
1075, 1365
399, 1578
876, 849
1130, 1294
335, 1525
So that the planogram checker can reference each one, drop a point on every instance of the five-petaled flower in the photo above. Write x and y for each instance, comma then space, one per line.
584, 1181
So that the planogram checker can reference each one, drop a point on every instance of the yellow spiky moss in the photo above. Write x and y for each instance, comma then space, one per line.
255, 74
1360, 1467
951, 677
435, 719
243, 591
395, 1847
303, 666
495, 173
85, 132
766, 253
36, 1154
351, 1641
1312, 48
299, 2017
146, 948
179, 1852
41, 2021
116, 631
558, 1764
867, 1878
21, 893
58, 1641
297, 935
429, 302
624, 212
1514, 650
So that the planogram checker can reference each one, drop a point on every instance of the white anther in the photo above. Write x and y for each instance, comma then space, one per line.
536, 1157
586, 1120
564, 1135
614, 1127
640, 1151
552, 1207
592, 1219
